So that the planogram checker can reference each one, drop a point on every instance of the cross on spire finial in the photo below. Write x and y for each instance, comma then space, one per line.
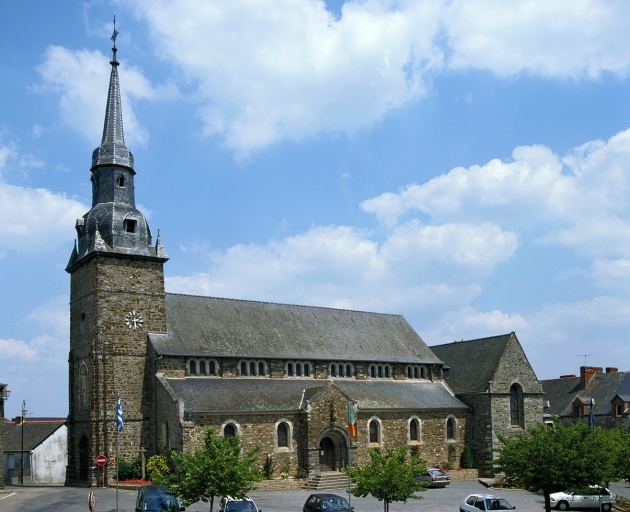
114, 62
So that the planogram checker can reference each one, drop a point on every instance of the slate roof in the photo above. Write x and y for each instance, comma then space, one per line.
472, 363
215, 327
203, 395
561, 392
35, 433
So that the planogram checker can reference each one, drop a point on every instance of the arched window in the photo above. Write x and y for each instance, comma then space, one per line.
243, 368
229, 431
290, 369
333, 370
414, 428
374, 431
387, 372
261, 368
121, 181
211, 369
202, 367
348, 370
373, 372
252, 368
450, 429
423, 374
83, 384
380, 371
192, 368
283, 435
298, 370
516, 406
415, 373
307, 370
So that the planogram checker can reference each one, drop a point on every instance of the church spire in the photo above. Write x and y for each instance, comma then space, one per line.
112, 149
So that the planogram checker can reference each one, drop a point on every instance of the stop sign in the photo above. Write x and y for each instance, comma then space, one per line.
101, 460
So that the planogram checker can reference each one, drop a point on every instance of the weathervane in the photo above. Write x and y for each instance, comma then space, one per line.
114, 62
115, 32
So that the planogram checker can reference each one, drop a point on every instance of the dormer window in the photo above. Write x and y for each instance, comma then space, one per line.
94, 181
130, 225
121, 181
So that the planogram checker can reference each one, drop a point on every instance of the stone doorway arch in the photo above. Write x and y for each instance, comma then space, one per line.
333, 446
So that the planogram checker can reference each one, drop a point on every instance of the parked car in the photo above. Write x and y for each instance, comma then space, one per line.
230, 504
435, 478
477, 502
593, 497
156, 498
326, 502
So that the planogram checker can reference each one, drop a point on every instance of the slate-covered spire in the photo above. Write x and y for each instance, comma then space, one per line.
112, 149
114, 225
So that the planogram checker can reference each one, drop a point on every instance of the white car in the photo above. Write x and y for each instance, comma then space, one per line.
594, 498
230, 504
477, 502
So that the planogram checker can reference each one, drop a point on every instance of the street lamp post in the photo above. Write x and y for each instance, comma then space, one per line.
22, 453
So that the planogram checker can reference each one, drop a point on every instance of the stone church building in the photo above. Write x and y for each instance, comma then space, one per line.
284, 376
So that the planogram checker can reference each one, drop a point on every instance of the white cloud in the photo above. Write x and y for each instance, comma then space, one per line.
340, 266
36, 220
81, 77
16, 349
578, 201
7, 152
277, 70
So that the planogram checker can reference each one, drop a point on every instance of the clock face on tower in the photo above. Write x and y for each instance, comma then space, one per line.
133, 320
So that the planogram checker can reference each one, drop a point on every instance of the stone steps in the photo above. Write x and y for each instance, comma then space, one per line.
327, 480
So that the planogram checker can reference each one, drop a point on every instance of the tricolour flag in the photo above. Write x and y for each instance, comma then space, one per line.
352, 422
119, 415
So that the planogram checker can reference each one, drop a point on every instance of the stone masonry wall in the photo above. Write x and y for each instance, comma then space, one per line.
105, 293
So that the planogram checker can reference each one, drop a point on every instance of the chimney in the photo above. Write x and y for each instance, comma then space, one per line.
587, 373
17, 420
611, 369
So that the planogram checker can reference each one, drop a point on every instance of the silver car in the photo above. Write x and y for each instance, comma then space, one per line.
594, 497
435, 477
477, 502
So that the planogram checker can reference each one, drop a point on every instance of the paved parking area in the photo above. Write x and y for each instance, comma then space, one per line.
74, 499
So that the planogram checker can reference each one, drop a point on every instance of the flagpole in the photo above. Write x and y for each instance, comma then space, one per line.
116, 468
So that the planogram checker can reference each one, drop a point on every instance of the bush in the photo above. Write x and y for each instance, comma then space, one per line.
129, 470
452, 456
466, 458
269, 466
158, 467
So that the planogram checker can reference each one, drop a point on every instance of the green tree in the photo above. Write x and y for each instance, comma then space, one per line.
388, 476
217, 468
618, 445
552, 459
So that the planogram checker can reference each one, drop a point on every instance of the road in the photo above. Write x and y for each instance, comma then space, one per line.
74, 499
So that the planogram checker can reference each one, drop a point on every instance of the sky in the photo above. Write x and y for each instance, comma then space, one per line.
464, 164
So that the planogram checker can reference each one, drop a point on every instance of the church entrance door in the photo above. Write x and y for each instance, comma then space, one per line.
327, 454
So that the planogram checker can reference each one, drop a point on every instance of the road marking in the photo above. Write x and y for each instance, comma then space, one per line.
8, 495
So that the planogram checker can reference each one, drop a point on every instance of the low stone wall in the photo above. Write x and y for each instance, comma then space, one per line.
464, 474
284, 484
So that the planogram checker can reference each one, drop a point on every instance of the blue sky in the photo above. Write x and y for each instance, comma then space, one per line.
465, 164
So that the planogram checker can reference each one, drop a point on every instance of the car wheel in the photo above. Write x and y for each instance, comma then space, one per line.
606, 507
563, 505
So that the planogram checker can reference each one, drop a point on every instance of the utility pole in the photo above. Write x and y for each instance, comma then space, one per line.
22, 452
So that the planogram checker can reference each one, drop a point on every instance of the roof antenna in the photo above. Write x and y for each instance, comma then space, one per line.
584, 356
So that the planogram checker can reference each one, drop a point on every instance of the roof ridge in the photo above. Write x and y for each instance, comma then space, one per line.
285, 304
469, 341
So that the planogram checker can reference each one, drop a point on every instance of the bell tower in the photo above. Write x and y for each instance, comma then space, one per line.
116, 298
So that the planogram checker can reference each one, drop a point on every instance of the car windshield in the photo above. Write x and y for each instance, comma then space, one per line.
335, 504
240, 505
497, 504
163, 503
437, 472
